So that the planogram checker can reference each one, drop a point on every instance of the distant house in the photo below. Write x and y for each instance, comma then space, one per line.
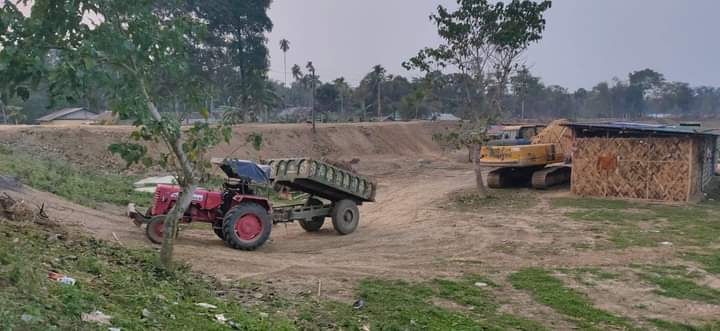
443, 117
68, 116
295, 114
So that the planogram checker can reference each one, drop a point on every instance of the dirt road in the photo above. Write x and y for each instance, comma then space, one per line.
402, 235
409, 233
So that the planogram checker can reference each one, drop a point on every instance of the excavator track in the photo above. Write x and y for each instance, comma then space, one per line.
510, 177
493, 179
551, 176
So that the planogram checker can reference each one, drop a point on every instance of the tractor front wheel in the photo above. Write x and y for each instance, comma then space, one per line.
247, 226
155, 229
345, 217
218, 229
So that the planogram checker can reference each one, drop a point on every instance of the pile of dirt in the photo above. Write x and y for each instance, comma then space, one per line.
342, 164
556, 133
88, 145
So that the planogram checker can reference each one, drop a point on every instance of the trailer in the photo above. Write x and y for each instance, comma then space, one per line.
243, 219
344, 189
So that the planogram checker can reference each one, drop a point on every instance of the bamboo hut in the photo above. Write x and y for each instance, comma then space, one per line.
643, 161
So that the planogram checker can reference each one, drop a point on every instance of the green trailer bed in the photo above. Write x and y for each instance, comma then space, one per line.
322, 180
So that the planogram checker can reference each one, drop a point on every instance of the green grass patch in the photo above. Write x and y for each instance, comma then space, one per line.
550, 291
675, 326
640, 224
515, 199
400, 305
710, 262
591, 203
679, 287
589, 276
117, 281
83, 186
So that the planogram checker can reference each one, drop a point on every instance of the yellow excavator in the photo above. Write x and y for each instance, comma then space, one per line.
528, 154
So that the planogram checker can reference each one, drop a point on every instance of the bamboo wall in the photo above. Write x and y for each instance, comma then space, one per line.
639, 168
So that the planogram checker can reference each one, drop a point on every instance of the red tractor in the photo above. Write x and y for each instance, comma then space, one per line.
243, 220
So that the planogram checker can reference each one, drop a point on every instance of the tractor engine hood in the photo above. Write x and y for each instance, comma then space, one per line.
243, 169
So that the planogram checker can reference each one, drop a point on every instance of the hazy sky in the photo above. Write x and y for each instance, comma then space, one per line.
585, 41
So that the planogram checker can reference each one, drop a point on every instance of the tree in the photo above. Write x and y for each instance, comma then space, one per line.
378, 73
344, 91
642, 84
255, 139
285, 47
135, 49
483, 41
328, 97
313, 83
527, 88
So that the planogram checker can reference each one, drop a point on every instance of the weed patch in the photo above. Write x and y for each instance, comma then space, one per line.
400, 305
674, 326
710, 262
550, 291
514, 199
82, 186
588, 276
637, 224
682, 288
117, 281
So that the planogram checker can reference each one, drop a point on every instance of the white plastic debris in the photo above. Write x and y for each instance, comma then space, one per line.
113, 329
97, 317
26, 317
154, 181
220, 318
666, 243
60, 278
206, 305
481, 284
146, 313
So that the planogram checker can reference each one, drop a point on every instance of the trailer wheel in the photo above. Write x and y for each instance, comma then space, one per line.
247, 226
155, 229
345, 216
317, 222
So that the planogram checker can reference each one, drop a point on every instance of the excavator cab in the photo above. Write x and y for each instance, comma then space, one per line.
519, 162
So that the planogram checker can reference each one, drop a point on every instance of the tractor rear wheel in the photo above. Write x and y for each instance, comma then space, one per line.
317, 222
345, 216
247, 226
155, 229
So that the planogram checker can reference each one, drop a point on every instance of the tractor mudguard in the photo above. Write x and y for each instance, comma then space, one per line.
251, 198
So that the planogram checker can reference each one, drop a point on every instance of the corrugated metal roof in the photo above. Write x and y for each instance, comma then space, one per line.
649, 128
62, 113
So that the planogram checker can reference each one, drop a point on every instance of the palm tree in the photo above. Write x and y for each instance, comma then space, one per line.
297, 72
285, 47
379, 75
311, 69
342, 88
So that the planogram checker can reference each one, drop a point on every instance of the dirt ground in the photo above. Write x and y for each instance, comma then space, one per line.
411, 232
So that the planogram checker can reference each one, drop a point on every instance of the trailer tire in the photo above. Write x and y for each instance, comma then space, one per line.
345, 216
317, 222
247, 226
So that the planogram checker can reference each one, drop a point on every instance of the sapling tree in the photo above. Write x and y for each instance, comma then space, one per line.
483, 41
133, 48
